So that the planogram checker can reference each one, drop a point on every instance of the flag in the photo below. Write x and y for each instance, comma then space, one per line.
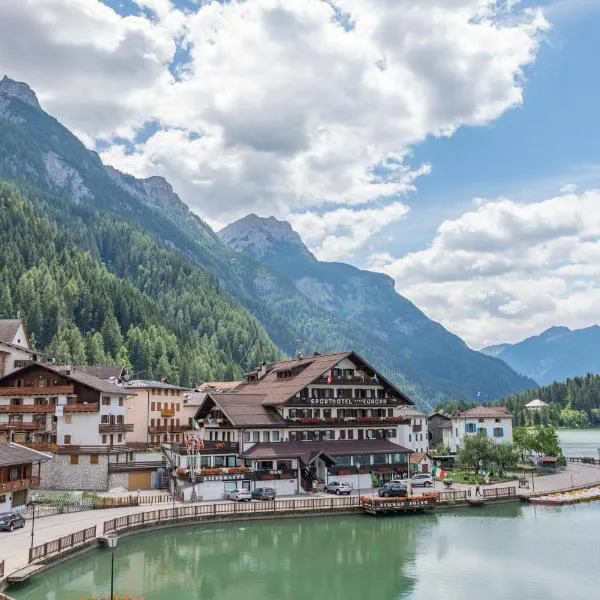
195, 424
437, 472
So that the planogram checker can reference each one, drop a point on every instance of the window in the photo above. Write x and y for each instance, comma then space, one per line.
497, 420
74, 459
482, 420
93, 459
105, 400
120, 401
16, 401
177, 406
153, 406
120, 438
409, 438
158, 392
391, 433
265, 436
219, 461
265, 465
483, 431
380, 459
350, 434
342, 434
498, 432
67, 440
205, 461
274, 436
120, 419
104, 439
40, 401
470, 428
104, 419
256, 436
246, 436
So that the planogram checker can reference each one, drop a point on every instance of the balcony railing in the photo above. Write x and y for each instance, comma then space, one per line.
79, 408
23, 426
27, 408
127, 467
417, 428
19, 484
264, 475
30, 390
168, 428
115, 427
210, 447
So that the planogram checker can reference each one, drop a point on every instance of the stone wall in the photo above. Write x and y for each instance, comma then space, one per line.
118, 480
60, 474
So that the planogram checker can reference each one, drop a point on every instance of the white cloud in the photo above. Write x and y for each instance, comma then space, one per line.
339, 233
293, 105
504, 270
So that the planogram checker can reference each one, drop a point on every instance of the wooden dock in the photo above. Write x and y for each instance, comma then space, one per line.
24, 574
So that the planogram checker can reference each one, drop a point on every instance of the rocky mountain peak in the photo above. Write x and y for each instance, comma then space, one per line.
19, 90
261, 236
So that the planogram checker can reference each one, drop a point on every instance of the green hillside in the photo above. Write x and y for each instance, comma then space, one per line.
152, 308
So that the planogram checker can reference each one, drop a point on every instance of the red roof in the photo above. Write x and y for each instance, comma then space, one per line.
483, 412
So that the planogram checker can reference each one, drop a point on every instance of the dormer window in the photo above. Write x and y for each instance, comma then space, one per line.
284, 374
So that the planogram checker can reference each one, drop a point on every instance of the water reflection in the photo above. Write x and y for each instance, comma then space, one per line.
447, 555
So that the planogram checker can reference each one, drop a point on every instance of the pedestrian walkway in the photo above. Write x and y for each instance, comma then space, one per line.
15, 546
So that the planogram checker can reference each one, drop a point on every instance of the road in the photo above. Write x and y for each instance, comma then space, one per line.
14, 547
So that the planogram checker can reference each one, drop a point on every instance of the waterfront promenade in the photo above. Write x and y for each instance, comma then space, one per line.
15, 545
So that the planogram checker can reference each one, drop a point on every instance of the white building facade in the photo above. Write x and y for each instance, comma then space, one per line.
491, 422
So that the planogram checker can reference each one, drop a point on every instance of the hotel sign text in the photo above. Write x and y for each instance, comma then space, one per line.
349, 401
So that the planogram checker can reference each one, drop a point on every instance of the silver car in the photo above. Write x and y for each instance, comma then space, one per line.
239, 495
338, 487
421, 479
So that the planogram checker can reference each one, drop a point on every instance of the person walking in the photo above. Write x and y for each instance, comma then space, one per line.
477, 490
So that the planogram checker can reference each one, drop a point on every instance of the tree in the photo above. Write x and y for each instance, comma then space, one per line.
95, 349
536, 440
476, 451
505, 455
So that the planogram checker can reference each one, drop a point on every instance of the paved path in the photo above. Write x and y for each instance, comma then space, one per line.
14, 547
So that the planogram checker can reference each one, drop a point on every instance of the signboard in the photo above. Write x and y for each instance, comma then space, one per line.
59, 411
351, 401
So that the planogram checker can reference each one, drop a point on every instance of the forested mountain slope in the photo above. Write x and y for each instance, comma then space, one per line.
154, 310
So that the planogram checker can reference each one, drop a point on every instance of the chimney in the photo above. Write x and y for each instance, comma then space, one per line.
299, 356
261, 370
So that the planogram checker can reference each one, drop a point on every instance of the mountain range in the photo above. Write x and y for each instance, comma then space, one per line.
554, 355
300, 304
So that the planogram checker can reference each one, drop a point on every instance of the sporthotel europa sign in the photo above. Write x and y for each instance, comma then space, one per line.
351, 401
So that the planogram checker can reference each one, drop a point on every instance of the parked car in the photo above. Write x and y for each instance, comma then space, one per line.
421, 479
338, 487
263, 494
239, 495
10, 521
393, 489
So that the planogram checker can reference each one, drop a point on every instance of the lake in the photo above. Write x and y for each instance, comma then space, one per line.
512, 552
580, 442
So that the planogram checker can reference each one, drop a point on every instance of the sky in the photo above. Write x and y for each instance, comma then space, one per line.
452, 144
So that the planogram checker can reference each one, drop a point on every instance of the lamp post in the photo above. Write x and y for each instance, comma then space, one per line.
358, 479
111, 540
32, 521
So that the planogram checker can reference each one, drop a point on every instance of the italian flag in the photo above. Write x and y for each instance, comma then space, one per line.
437, 472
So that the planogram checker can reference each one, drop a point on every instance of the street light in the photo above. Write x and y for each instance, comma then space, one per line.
32, 504
111, 540
358, 479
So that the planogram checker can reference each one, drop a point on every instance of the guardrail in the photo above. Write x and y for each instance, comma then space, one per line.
211, 511
456, 496
506, 492
49, 510
588, 460
63, 543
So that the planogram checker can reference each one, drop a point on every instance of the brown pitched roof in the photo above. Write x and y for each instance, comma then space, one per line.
13, 454
411, 411
8, 329
72, 374
308, 451
417, 457
246, 410
277, 391
110, 372
483, 412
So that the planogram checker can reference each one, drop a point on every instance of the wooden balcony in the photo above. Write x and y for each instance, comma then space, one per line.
365, 380
167, 412
27, 408
168, 428
128, 467
82, 408
58, 390
19, 484
23, 426
210, 447
115, 427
